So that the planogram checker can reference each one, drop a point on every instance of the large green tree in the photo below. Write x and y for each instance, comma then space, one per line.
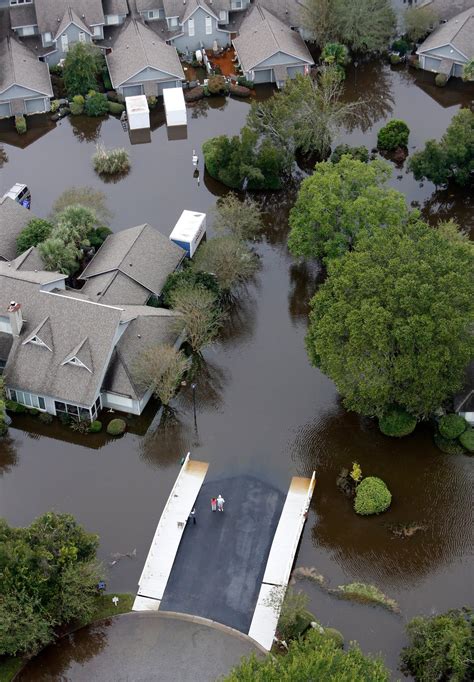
419, 21
339, 201
48, 577
316, 657
392, 322
452, 158
81, 67
35, 232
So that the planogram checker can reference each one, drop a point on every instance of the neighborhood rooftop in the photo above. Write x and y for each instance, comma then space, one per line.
13, 218
50, 13
457, 32
20, 66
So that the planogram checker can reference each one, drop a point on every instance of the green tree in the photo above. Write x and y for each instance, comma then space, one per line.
441, 647
393, 135
35, 232
316, 657
59, 256
24, 627
450, 159
335, 53
200, 314
419, 21
318, 19
81, 68
161, 369
468, 71
229, 259
338, 202
243, 219
75, 223
392, 322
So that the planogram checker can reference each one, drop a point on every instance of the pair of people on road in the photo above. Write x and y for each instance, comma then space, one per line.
217, 503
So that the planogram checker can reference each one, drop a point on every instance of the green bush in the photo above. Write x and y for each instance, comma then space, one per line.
372, 496
110, 161
441, 79
36, 231
188, 277
33, 411
366, 594
12, 406
393, 135
77, 105
152, 101
397, 422
449, 446
395, 59
116, 427
217, 85
467, 439
106, 78
358, 153
95, 426
401, 46
54, 106
96, 104
45, 418
336, 636
56, 70
97, 236
241, 80
440, 647
20, 125
452, 426
116, 108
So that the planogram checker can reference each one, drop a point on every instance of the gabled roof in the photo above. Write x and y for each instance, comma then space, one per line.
33, 277
82, 353
138, 47
23, 15
140, 253
115, 288
183, 10
20, 66
290, 12
71, 17
262, 35
447, 9
13, 218
43, 332
457, 32
145, 5
29, 260
116, 7
50, 13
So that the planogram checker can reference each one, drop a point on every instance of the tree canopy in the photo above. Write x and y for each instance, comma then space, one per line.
392, 323
339, 201
316, 657
35, 232
452, 158
229, 259
243, 219
48, 576
81, 67
419, 21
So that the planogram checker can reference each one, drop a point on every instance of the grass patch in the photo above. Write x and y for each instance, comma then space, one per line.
9, 666
366, 594
105, 607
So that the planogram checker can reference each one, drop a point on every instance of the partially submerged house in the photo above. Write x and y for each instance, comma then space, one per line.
450, 47
268, 50
65, 352
141, 63
25, 83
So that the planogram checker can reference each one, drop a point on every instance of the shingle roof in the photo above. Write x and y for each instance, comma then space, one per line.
290, 12
447, 9
20, 66
34, 277
51, 12
141, 253
263, 35
29, 260
115, 288
70, 17
23, 15
116, 6
66, 321
458, 32
138, 47
13, 218
6, 342
145, 5
155, 327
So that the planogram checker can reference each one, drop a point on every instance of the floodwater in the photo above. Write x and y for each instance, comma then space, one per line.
262, 410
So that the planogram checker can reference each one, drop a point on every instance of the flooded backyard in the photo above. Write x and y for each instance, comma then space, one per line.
261, 409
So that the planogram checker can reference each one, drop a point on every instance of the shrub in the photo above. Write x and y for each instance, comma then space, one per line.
116, 427
452, 426
372, 496
366, 594
106, 78
152, 101
77, 105
440, 647
95, 426
13, 406
395, 59
81, 67
449, 446
33, 412
110, 161
241, 80
335, 53
116, 108
20, 125
98, 235
441, 79
336, 636
188, 277
401, 46
217, 85
55, 106
397, 422
467, 439
96, 104
394, 134
35, 232
45, 418
358, 153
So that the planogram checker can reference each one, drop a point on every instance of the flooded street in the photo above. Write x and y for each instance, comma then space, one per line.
262, 410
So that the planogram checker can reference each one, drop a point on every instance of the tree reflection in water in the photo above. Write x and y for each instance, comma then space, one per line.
8, 454
305, 277
371, 86
451, 203
86, 128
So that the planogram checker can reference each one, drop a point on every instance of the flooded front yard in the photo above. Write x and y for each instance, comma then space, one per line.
262, 410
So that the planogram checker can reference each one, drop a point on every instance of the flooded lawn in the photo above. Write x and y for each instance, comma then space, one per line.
261, 409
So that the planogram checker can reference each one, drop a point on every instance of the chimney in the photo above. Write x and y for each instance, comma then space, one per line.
16, 318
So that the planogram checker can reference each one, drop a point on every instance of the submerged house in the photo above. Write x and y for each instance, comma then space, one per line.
450, 47
68, 353
25, 83
141, 63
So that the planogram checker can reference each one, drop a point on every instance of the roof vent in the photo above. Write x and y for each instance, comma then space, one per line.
58, 20
130, 264
83, 16
139, 336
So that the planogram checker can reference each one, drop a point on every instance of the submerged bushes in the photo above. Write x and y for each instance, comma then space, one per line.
452, 426
397, 422
393, 135
372, 496
110, 161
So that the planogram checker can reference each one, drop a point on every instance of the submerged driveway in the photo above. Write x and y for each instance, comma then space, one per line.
221, 560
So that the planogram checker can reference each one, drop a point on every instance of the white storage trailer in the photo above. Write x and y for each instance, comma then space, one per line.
189, 230
175, 107
138, 113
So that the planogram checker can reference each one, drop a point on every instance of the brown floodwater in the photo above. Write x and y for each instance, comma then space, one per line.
262, 410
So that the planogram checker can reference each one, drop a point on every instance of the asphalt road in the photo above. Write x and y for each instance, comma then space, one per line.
221, 559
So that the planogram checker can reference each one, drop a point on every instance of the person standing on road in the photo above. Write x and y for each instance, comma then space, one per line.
213, 504
220, 503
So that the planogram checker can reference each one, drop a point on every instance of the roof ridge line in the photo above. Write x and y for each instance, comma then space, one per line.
143, 225
462, 23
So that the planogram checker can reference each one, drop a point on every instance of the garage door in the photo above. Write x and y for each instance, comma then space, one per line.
35, 106
163, 86
132, 90
4, 109
264, 76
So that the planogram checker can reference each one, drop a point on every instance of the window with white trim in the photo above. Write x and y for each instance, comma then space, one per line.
97, 31
208, 26
75, 412
173, 22
47, 38
191, 27
76, 362
223, 15
64, 42
27, 399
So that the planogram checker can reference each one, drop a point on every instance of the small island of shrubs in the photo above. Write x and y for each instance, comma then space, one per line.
372, 496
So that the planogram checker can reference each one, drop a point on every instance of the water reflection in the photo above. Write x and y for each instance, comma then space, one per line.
3, 157
371, 86
86, 128
8, 454
210, 380
451, 202
242, 317
412, 468
164, 444
305, 277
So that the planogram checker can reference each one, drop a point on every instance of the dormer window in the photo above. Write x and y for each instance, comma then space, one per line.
80, 356
77, 363
37, 341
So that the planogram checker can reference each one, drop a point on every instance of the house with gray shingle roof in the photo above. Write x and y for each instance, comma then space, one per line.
13, 219
140, 62
70, 352
450, 46
268, 50
447, 9
25, 83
